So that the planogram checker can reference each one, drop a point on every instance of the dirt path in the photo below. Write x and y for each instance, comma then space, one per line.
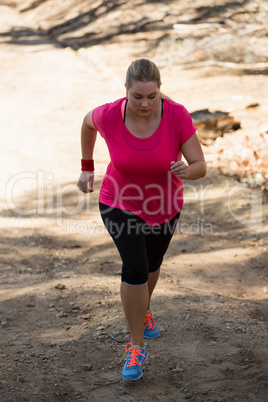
62, 331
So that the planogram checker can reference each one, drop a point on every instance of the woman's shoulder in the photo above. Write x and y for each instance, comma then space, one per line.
175, 110
173, 105
111, 107
107, 114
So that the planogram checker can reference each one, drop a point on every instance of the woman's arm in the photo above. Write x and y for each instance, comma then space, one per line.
193, 153
88, 139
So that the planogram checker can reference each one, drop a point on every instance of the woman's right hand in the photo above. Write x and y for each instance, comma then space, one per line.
85, 182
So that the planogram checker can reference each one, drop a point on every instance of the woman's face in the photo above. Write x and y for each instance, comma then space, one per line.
143, 98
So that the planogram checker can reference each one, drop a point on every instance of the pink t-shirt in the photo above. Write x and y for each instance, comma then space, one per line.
138, 178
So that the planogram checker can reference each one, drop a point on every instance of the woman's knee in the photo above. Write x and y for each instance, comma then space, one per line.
135, 275
155, 264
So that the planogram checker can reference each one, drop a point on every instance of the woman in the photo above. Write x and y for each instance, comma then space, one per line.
142, 192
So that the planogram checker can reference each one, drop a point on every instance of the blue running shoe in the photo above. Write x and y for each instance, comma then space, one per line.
150, 329
135, 358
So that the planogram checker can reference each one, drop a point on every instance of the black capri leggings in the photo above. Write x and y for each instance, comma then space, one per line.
140, 245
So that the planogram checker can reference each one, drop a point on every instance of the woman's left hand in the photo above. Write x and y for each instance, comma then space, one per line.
180, 169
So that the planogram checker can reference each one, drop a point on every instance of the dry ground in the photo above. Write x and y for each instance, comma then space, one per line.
62, 331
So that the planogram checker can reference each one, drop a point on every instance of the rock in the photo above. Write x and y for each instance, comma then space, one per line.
100, 328
87, 367
3, 323
20, 379
60, 286
213, 124
243, 157
177, 369
74, 306
252, 105
62, 314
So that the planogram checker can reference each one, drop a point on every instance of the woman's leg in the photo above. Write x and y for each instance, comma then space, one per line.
140, 253
152, 281
157, 244
135, 303
126, 231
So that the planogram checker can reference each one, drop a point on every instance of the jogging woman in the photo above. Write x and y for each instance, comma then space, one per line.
142, 191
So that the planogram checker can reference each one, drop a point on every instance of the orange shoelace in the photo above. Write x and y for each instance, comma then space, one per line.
135, 353
149, 321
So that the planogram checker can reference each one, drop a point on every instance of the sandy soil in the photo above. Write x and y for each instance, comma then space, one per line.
62, 332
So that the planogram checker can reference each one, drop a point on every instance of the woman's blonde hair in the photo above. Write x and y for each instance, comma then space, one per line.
142, 70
